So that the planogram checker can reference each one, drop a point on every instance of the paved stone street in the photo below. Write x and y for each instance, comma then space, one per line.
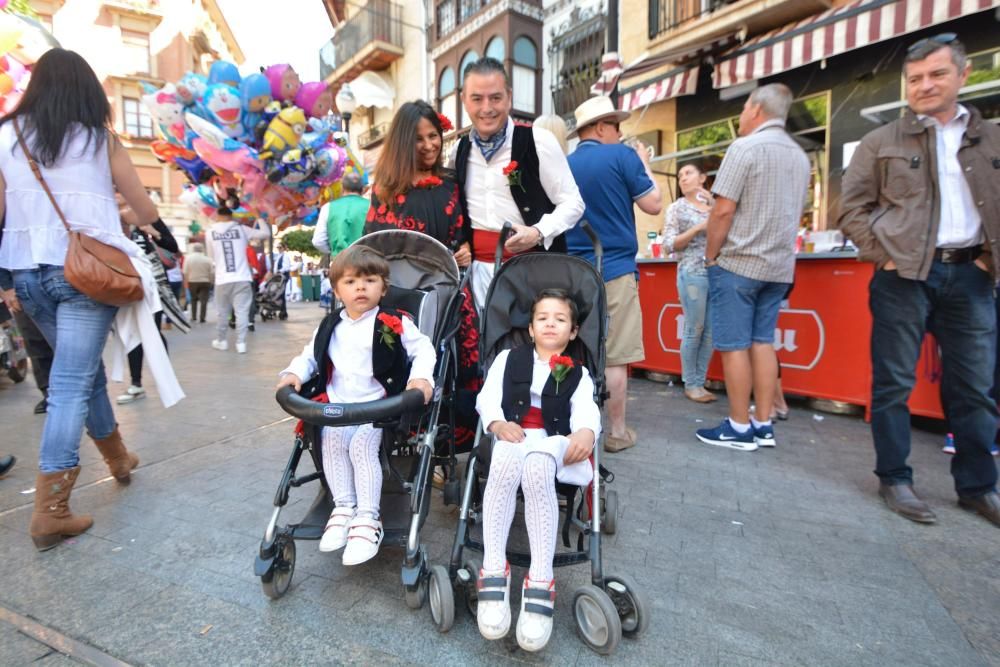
774, 557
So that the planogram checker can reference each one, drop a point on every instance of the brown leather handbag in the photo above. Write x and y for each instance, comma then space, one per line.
102, 272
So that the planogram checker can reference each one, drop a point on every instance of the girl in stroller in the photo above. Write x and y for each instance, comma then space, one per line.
540, 407
362, 352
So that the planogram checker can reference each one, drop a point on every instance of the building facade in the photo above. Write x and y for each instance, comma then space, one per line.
574, 40
379, 49
131, 42
689, 66
461, 31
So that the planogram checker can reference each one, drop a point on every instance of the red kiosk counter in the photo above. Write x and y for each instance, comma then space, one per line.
822, 337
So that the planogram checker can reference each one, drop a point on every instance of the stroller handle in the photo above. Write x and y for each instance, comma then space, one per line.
596, 242
505, 233
349, 414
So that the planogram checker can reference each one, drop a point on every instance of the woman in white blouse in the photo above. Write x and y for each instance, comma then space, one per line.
65, 119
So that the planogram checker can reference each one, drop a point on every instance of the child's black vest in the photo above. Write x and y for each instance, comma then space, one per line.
390, 365
516, 399
530, 198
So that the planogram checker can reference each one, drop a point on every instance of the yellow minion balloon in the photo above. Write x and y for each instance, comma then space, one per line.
283, 132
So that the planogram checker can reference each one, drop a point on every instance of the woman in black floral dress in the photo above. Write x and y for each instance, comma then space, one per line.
413, 191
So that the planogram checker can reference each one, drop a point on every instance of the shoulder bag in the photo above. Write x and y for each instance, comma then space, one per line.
98, 270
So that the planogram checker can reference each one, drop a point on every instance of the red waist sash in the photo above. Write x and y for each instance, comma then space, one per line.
484, 246
533, 419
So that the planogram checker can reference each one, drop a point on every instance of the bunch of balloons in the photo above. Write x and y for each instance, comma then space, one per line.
268, 138
14, 74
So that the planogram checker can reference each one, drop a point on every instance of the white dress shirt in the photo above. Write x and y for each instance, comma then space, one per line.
584, 413
960, 225
487, 192
350, 352
321, 239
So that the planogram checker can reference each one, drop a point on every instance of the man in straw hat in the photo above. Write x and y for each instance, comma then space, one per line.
611, 177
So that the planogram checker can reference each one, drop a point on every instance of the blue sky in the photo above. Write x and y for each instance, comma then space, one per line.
289, 31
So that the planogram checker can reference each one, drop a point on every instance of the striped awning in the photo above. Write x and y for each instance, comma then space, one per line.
611, 69
836, 31
683, 81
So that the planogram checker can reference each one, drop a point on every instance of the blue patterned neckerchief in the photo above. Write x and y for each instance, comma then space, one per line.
490, 145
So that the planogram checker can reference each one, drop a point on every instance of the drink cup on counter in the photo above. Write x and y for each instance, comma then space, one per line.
657, 250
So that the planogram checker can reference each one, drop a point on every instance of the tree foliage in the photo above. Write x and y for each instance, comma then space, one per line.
300, 240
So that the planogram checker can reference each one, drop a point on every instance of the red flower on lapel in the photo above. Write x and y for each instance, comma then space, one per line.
560, 366
392, 329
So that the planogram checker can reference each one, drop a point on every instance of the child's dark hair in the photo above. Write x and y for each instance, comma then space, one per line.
560, 295
362, 261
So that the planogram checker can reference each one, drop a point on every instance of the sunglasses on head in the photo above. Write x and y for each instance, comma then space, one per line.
944, 39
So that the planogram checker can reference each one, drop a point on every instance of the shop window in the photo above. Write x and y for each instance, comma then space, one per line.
496, 49
807, 122
138, 122
136, 52
523, 74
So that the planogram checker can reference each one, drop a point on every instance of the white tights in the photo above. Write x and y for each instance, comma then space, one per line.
350, 460
535, 473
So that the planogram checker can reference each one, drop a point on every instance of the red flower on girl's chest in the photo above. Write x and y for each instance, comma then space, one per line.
560, 366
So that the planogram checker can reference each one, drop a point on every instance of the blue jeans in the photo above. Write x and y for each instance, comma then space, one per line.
76, 327
696, 343
742, 310
956, 304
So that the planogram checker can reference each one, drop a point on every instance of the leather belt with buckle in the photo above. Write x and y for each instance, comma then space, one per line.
958, 255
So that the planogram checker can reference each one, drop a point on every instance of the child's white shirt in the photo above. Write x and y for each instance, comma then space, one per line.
584, 413
350, 352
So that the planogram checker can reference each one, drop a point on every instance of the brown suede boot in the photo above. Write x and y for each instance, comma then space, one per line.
120, 460
52, 519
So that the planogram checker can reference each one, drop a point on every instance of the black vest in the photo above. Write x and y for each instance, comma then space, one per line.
516, 399
531, 200
390, 366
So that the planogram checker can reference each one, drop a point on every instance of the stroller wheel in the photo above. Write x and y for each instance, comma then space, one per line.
472, 566
596, 619
277, 580
415, 599
630, 601
609, 522
442, 598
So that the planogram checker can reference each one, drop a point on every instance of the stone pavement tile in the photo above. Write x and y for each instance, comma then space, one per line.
16, 648
55, 659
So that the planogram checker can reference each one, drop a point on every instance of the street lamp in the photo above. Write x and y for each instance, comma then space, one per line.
346, 104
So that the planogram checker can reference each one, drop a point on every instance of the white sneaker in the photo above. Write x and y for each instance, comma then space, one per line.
335, 534
220, 345
131, 394
492, 604
534, 623
363, 539
241, 348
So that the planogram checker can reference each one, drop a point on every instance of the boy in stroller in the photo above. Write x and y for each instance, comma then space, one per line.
360, 353
540, 406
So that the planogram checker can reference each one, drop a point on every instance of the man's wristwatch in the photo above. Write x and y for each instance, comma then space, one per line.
706, 262
541, 237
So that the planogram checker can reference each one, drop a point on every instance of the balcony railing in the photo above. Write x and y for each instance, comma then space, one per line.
373, 136
377, 21
666, 15
450, 14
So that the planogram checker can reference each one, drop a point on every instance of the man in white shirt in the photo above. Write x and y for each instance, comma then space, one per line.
227, 246
499, 178
283, 266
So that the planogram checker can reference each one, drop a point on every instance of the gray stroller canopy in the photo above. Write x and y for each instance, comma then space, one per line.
508, 303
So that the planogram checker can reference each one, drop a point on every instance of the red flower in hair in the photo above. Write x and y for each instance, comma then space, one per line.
446, 125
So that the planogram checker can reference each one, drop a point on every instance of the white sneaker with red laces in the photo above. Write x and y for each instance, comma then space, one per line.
363, 539
492, 603
534, 623
335, 534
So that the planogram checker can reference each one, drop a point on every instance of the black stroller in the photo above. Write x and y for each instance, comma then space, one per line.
612, 605
269, 298
427, 284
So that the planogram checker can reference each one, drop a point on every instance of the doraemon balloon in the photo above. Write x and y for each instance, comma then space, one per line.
222, 103
191, 88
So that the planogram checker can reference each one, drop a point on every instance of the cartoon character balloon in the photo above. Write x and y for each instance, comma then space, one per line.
224, 72
165, 107
285, 82
284, 132
315, 99
222, 102
191, 88
255, 95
